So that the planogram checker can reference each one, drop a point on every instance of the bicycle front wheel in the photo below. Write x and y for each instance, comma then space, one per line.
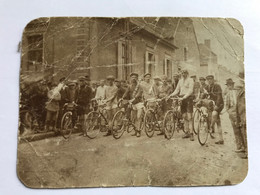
92, 124
118, 124
203, 130
169, 123
195, 121
149, 122
66, 125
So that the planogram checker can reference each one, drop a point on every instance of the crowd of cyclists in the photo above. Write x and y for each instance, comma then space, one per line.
48, 100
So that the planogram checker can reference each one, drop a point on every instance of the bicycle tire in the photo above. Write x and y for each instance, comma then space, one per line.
169, 125
66, 127
92, 124
118, 124
195, 124
203, 131
149, 123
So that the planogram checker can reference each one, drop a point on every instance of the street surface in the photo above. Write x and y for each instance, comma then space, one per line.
130, 161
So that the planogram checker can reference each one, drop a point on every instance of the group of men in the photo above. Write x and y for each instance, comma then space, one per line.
139, 90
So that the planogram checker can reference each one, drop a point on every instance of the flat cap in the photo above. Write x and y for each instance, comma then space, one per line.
82, 78
147, 74
210, 77
202, 78
110, 77
133, 74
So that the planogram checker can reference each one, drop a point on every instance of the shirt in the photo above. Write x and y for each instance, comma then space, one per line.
164, 90
147, 90
184, 88
100, 92
110, 94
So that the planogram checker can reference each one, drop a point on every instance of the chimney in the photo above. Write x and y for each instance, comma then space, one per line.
207, 43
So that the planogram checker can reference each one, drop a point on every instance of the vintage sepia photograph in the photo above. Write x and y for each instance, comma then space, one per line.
136, 101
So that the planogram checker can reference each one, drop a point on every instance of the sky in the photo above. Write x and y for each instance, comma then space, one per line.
226, 37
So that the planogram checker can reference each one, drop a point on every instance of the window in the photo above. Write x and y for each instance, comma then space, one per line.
167, 68
150, 63
185, 53
35, 52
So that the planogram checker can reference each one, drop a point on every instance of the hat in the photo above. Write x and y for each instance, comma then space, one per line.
229, 81
117, 80
87, 78
184, 71
210, 77
133, 74
70, 83
82, 78
202, 78
110, 77
193, 76
62, 79
146, 74
175, 75
43, 82
157, 78
164, 77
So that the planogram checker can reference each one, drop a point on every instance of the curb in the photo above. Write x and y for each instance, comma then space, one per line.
37, 136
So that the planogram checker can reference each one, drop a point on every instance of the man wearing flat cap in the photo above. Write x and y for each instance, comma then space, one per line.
84, 97
202, 89
184, 90
215, 93
241, 112
111, 101
147, 87
134, 93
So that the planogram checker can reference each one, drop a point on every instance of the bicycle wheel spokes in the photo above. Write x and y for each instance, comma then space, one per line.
149, 123
66, 125
203, 130
92, 124
169, 124
118, 124
195, 121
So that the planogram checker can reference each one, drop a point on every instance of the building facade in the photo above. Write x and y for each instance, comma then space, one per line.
57, 47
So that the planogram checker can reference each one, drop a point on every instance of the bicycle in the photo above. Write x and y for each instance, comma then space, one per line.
204, 121
173, 119
67, 120
93, 122
122, 121
151, 121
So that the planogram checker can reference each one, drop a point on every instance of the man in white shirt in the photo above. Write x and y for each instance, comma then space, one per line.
184, 90
111, 101
101, 90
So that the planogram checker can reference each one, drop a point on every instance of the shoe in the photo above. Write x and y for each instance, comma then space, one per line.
191, 137
241, 150
108, 134
186, 136
160, 133
138, 134
221, 142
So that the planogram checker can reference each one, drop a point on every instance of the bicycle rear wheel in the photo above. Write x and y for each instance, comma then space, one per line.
92, 124
169, 123
195, 121
118, 124
149, 122
203, 130
66, 125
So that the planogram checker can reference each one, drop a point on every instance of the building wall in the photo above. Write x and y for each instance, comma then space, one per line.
186, 41
103, 37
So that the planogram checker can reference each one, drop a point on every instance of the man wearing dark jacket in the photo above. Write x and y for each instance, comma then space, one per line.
84, 97
215, 93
